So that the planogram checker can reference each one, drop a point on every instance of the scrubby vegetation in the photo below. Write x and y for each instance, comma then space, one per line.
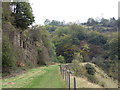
7, 56
85, 71
78, 69
91, 73
90, 69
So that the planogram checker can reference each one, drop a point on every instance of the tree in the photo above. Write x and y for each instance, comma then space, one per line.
91, 22
49, 28
105, 22
77, 32
22, 12
97, 39
113, 22
78, 56
61, 59
6, 12
64, 47
113, 46
47, 22
54, 22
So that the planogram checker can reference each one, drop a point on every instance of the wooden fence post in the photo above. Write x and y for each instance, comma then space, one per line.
60, 68
74, 83
63, 73
69, 80
67, 77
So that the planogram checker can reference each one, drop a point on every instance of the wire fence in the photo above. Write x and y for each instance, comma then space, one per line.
66, 74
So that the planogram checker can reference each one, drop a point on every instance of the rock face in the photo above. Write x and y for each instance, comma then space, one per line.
24, 49
27, 50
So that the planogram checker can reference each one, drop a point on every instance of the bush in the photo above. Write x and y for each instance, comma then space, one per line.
40, 56
78, 68
91, 73
90, 69
92, 79
97, 38
7, 54
61, 59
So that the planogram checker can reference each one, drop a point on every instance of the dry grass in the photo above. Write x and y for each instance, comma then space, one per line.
83, 83
104, 80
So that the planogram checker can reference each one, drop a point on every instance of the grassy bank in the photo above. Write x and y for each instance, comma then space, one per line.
42, 77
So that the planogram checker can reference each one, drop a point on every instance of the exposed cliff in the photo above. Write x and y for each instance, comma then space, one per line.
28, 48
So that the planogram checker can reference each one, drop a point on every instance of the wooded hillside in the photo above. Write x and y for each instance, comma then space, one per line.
26, 46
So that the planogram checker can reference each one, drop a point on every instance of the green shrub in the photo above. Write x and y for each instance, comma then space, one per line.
92, 79
8, 59
91, 73
40, 56
90, 69
61, 59
78, 69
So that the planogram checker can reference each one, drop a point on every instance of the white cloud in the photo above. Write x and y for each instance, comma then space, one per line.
72, 10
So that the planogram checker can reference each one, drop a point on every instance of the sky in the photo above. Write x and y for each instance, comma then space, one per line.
73, 10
